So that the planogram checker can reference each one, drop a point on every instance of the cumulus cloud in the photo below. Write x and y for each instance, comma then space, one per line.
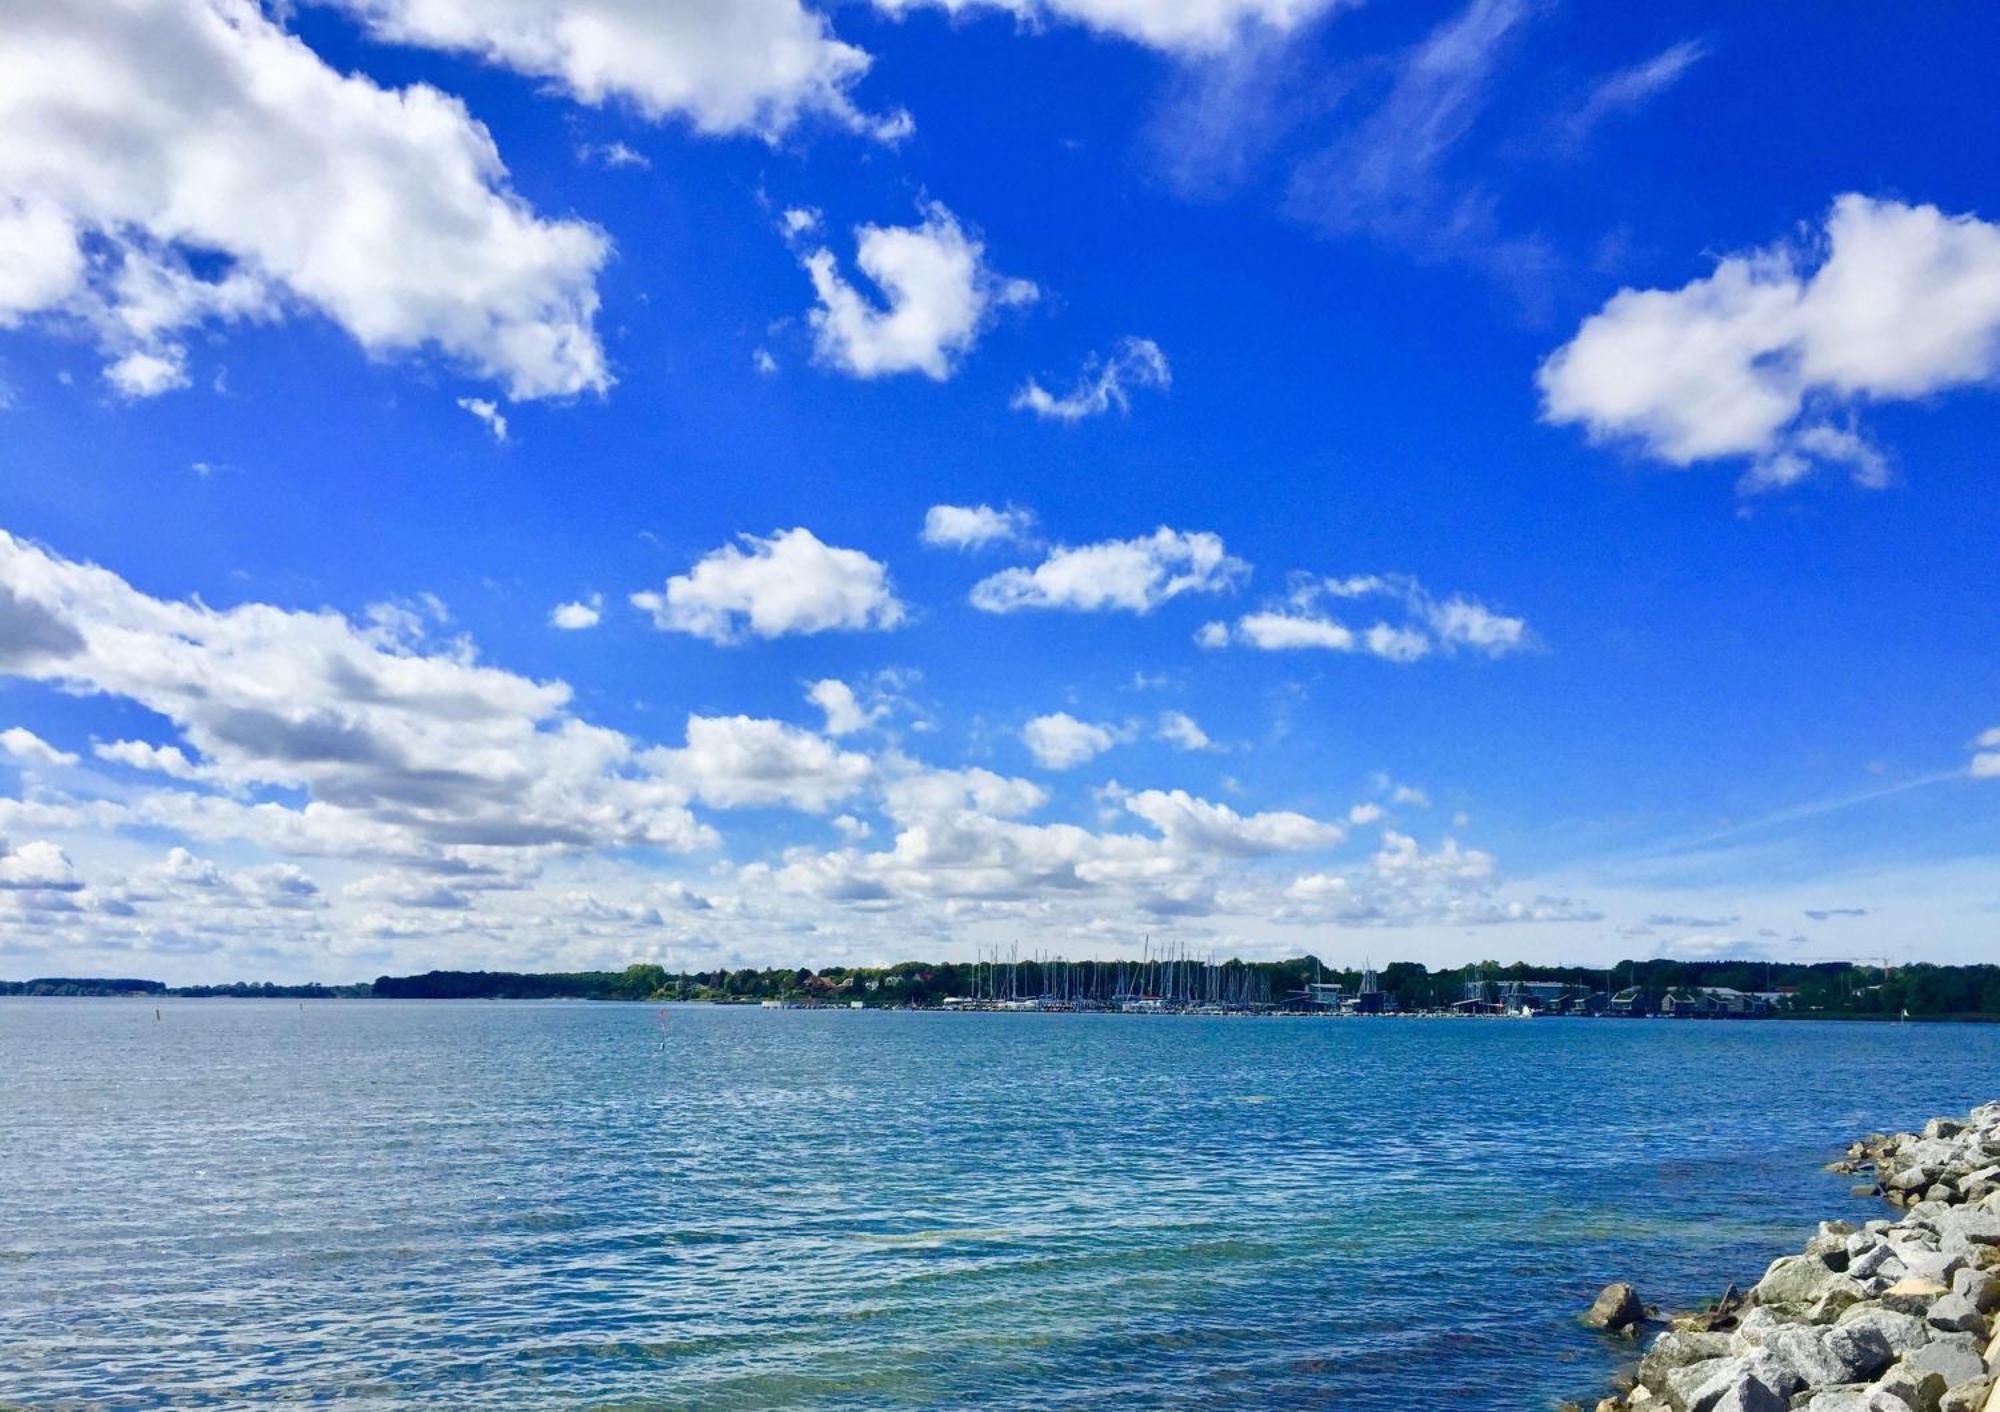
971, 526
1132, 575
1405, 884
578, 615
726, 66
1986, 756
1188, 27
138, 136
844, 712
396, 747
1059, 741
36, 867
1196, 826
487, 411
961, 837
1888, 302
169, 760
735, 762
1306, 620
940, 294
786, 584
24, 745
1183, 732
1104, 383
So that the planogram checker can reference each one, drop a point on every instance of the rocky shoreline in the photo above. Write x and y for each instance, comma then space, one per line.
1895, 1316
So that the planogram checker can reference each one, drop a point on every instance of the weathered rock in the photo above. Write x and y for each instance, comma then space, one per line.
1981, 1287
1755, 1382
1956, 1314
1616, 1306
1678, 1348
1679, 1385
1953, 1363
1913, 1294
1902, 1332
1914, 1388
1846, 1353
1966, 1397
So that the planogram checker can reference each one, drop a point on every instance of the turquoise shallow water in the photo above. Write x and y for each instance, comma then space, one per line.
516, 1205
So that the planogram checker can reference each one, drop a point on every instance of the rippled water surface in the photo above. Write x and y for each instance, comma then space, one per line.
544, 1204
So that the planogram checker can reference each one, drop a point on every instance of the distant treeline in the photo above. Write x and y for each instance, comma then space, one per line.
242, 990
1824, 990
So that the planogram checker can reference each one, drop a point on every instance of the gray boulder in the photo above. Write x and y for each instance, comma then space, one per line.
1982, 1287
1849, 1353
1950, 1360
1756, 1382
1957, 1315
1616, 1306
1902, 1332
1967, 1397
1678, 1348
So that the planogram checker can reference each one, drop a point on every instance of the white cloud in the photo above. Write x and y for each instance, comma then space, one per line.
1190, 27
1630, 89
1181, 730
1303, 622
789, 583
397, 748
961, 838
1212, 635
24, 745
141, 374
1196, 826
735, 762
1986, 759
726, 66
1060, 741
409, 890
1750, 361
1133, 575
1400, 172
487, 411
1364, 813
941, 295
578, 615
615, 155
145, 131
1103, 384
1284, 632
168, 760
36, 867
970, 526
844, 712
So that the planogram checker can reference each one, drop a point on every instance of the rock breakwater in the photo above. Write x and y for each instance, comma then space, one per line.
1893, 1316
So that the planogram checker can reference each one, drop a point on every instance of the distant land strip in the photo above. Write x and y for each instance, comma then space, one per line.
1177, 982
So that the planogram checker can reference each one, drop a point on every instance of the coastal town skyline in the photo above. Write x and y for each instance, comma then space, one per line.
781, 486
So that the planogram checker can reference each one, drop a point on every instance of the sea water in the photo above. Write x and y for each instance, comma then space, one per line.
508, 1205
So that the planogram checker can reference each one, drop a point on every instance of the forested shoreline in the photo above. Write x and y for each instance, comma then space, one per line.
1826, 990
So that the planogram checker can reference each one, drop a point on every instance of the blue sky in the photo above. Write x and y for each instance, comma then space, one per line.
1458, 481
